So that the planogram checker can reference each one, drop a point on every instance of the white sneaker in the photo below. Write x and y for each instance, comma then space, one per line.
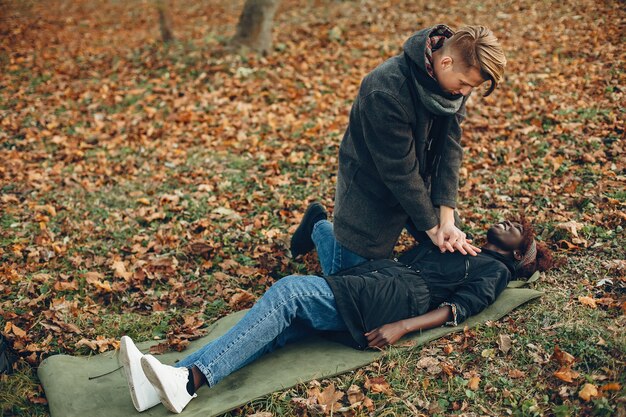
169, 382
141, 390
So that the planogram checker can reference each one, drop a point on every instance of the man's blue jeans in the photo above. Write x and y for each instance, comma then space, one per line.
332, 255
292, 308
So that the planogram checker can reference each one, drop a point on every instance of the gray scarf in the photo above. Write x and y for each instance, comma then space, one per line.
437, 104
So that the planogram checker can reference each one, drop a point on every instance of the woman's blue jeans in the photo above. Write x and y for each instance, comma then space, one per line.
332, 255
292, 308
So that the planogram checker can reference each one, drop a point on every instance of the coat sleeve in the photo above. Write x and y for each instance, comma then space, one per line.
389, 138
476, 294
445, 178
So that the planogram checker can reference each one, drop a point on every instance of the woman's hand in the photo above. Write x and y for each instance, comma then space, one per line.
387, 334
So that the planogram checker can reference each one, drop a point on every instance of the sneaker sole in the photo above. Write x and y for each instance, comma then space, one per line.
158, 385
129, 372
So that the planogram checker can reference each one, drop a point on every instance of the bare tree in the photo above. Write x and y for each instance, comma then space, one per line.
165, 20
254, 29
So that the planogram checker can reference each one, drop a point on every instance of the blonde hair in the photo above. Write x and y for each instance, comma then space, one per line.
478, 47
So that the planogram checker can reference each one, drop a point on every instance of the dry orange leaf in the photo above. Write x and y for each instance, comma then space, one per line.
47, 209
91, 344
66, 286
562, 357
240, 299
119, 270
329, 398
94, 278
611, 386
369, 404
516, 373
588, 301
588, 392
143, 201
566, 374
16, 330
378, 384
355, 394
474, 383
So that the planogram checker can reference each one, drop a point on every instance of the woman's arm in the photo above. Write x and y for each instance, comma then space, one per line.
389, 334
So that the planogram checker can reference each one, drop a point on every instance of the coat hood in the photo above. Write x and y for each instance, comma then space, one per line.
415, 46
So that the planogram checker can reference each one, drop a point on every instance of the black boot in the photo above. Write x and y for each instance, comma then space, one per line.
301, 242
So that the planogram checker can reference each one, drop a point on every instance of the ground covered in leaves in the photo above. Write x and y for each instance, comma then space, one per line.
149, 189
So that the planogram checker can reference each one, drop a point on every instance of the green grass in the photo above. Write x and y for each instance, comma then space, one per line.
102, 179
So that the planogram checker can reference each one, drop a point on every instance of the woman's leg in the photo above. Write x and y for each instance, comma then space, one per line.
332, 255
291, 305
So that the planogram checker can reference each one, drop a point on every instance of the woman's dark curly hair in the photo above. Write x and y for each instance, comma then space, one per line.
544, 259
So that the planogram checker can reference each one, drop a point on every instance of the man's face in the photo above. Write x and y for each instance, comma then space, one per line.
455, 79
506, 235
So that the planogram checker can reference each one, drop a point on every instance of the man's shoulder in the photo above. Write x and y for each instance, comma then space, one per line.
387, 78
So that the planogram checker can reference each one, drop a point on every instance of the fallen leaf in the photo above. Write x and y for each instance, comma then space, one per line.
143, 201
488, 353
66, 286
95, 279
159, 215
329, 398
588, 392
571, 227
119, 270
588, 301
369, 404
159, 349
241, 299
611, 386
447, 369
37, 400
566, 374
504, 343
46, 209
431, 364
564, 244
378, 384
16, 330
562, 357
91, 344
474, 383
201, 248
516, 373
355, 394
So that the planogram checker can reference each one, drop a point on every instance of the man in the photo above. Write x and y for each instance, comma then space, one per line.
400, 156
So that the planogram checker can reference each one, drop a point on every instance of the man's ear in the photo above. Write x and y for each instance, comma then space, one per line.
446, 62
517, 254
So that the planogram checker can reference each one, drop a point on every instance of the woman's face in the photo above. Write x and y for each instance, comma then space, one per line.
506, 235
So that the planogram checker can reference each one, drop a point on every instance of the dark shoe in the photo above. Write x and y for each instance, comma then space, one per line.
301, 242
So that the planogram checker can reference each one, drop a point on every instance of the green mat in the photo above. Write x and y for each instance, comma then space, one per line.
71, 392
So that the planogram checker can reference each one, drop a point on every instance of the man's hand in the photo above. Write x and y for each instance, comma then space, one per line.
387, 334
432, 234
451, 238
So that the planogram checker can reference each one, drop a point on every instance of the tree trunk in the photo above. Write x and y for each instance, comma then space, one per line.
254, 29
165, 20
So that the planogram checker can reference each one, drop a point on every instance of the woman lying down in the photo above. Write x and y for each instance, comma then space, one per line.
375, 303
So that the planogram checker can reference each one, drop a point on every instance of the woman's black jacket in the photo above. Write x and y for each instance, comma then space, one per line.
384, 291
